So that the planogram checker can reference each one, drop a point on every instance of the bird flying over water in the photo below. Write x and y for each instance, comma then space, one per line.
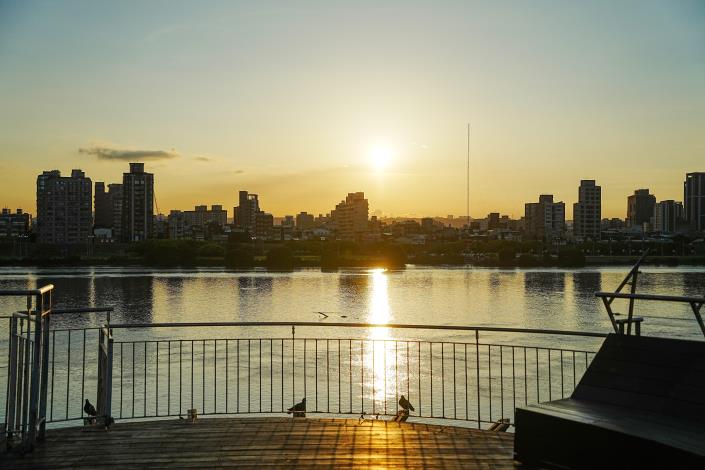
89, 409
405, 404
299, 409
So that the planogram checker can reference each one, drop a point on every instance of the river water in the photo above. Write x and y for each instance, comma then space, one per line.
520, 298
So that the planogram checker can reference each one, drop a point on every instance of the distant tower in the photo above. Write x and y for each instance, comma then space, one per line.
694, 200
137, 204
587, 212
640, 208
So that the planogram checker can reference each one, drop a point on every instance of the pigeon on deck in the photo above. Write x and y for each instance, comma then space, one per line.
403, 414
89, 409
405, 404
299, 409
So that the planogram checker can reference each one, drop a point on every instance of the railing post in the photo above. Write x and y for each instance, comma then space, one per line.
11, 408
105, 371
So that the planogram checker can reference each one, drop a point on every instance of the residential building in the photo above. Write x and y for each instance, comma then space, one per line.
264, 225
304, 221
587, 212
668, 215
103, 208
137, 204
640, 209
115, 196
200, 223
350, 217
14, 224
64, 207
694, 200
544, 220
245, 213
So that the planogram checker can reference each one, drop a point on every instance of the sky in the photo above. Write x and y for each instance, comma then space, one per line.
303, 102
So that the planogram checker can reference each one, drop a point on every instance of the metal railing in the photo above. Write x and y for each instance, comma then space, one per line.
360, 370
27, 366
696, 303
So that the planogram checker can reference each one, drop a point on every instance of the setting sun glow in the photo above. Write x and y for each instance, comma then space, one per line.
381, 157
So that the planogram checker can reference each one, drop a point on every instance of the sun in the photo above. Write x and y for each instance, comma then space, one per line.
381, 157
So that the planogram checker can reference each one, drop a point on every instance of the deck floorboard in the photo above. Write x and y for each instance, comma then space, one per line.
276, 442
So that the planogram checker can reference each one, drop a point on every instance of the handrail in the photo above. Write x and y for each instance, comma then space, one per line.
665, 298
82, 310
26, 292
363, 325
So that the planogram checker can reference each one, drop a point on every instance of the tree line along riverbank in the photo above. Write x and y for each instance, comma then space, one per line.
334, 254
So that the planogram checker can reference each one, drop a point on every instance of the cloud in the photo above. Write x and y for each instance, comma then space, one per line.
107, 153
201, 158
238, 172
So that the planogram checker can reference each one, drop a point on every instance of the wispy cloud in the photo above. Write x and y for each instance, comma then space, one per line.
111, 153
202, 158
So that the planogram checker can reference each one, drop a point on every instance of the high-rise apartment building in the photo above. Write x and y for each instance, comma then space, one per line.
103, 206
544, 220
245, 213
64, 207
587, 212
115, 196
14, 224
640, 208
137, 204
350, 217
694, 200
668, 215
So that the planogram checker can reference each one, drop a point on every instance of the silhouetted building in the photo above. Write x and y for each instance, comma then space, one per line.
350, 216
103, 216
198, 224
137, 204
668, 215
640, 208
264, 225
694, 200
64, 207
614, 223
426, 224
304, 221
492, 220
245, 214
544, 220
587, 212
201, 216
115, 195
14, 224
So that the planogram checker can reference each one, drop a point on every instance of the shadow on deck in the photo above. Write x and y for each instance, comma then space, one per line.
223, 442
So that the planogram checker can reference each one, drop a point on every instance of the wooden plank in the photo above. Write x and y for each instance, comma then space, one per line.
269, 441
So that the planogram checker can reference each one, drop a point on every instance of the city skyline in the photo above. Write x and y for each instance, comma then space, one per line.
100, 186
302, 107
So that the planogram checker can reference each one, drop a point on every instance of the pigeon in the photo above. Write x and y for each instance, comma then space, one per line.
405, 404
108, 421
89, 408
299, 409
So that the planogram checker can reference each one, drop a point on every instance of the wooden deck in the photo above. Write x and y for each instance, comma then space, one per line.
230, 442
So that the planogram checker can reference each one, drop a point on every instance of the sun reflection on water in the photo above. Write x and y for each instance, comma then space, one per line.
377, 360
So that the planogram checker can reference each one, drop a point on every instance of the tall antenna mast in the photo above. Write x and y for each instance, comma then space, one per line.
468, 182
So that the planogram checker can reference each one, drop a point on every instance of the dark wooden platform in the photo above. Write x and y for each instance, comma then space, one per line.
287, 442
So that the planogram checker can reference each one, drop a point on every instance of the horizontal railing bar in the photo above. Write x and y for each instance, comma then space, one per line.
82, 310
361, 325
364, 340
659, 297
25, 292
